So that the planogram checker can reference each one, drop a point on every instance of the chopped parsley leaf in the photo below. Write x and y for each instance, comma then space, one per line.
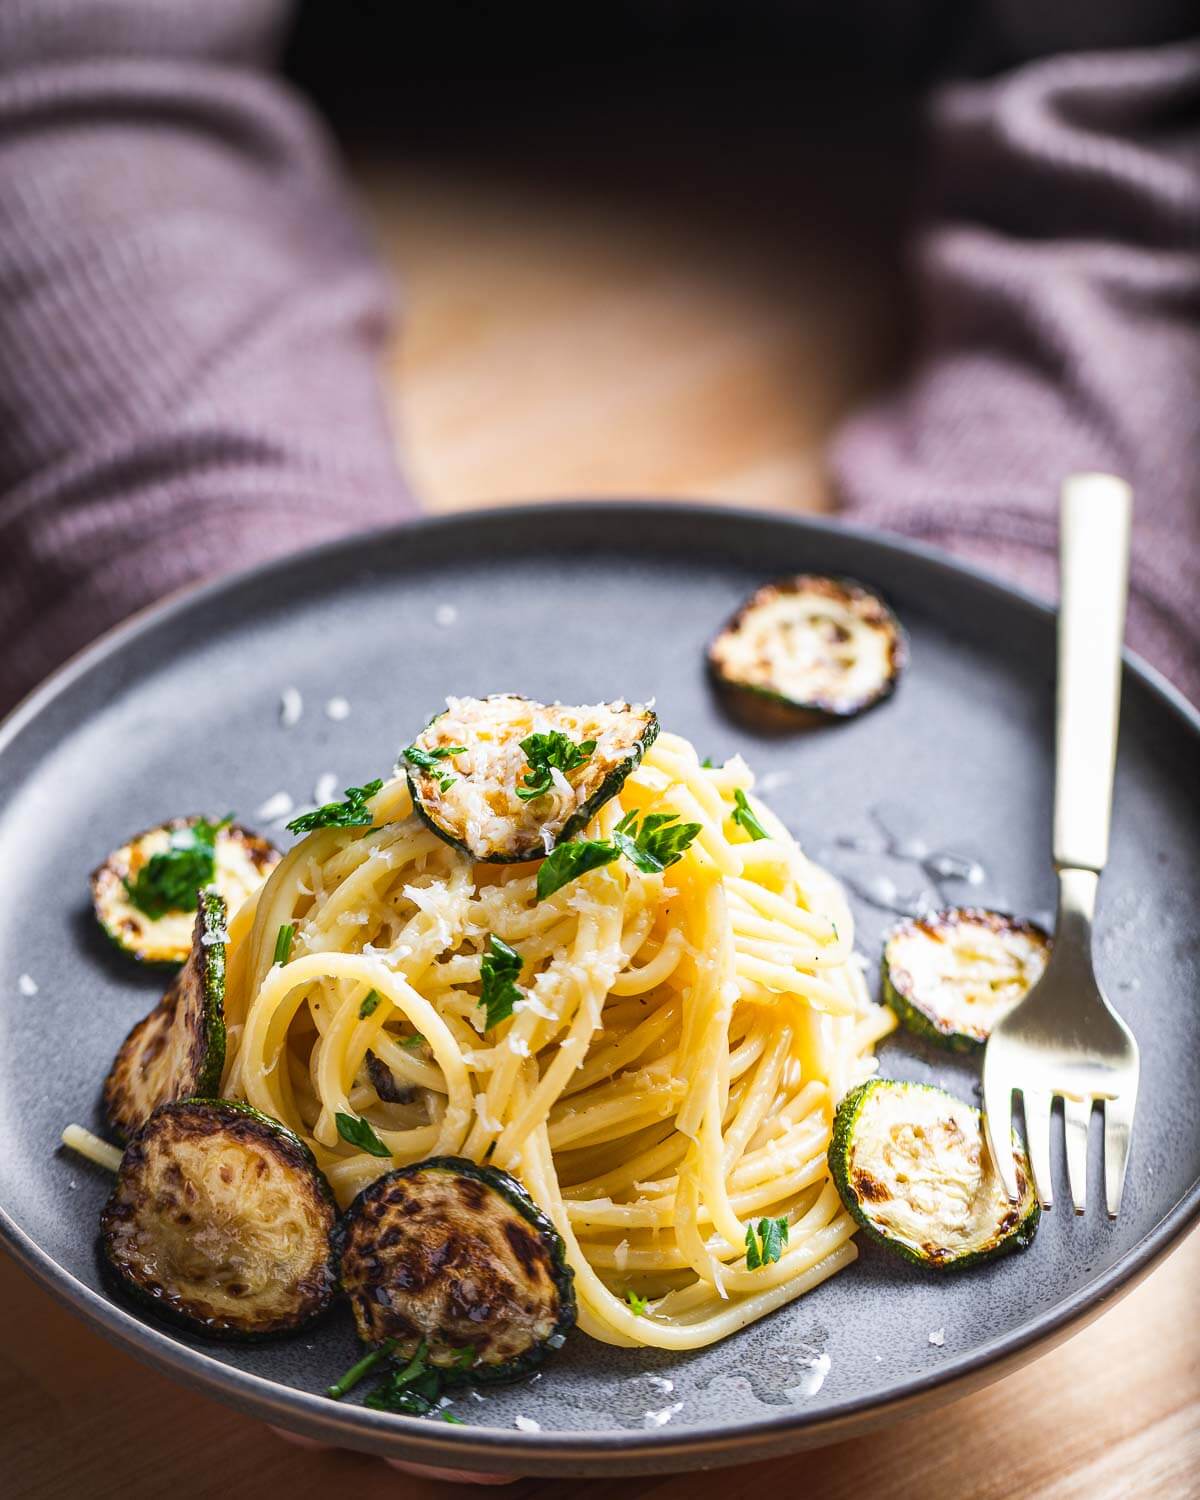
658, 841
745, 817
352, 813
768, 1246
171, 879
427, 760
448, 1416
499, 971
637, 1305
356, 1372
414, 1041
412, 1389
283, 942
356, 1132
370, 1005
544, 751
571, 860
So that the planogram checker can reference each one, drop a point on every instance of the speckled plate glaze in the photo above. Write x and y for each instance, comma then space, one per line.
943, 792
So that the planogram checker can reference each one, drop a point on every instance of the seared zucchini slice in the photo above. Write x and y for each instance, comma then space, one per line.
144, 894
506, 779
953, 975
459, 1258
179, 1048
911, 1164
818, 647
221, 1220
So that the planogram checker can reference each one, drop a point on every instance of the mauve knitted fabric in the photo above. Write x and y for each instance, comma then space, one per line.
1059, 292
191, 322
190, 319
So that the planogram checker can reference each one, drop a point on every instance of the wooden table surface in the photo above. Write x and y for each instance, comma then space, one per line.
681, 338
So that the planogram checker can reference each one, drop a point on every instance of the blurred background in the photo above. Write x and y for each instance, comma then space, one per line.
664, 259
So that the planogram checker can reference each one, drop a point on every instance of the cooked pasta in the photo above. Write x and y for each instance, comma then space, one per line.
669, 1071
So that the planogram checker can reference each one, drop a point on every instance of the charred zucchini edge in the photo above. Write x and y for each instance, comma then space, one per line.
516, 1196
536, 850
794, 710
1019, 1237
108, 868
919, 1018
210, 960
296, 1155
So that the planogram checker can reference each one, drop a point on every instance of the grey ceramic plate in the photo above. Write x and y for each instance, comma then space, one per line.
943, 791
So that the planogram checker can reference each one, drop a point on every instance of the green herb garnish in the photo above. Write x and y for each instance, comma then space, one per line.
427, 760
544, 751
283, 942
658, 841
638, 1305
356, 1372
448, 1416
768, 1247
412, 1389
571, 860
370, 1005
708, 764
356, 1132
498, 971
352, 813
745, 817
414, 1041
172, 879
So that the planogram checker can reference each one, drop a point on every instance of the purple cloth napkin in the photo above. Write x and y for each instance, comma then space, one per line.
190, 322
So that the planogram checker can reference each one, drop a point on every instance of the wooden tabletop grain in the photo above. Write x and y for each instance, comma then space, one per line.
562, 338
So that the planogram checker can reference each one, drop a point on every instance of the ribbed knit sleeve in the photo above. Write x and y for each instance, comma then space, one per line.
190, 319
1058, 286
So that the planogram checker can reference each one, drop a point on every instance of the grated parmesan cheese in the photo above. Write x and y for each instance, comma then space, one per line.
27, 984
275, 808
291, 706
326, 789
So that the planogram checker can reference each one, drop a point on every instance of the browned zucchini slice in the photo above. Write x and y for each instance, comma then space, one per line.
911, 1164
458, 1258
952, 975
811, 646
144, 894
179, 1048
506, 779
221, 1220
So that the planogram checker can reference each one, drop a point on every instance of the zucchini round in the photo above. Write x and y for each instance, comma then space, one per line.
456, 1257
475, 770
220, 1220
812, 647
179, 1048
235, 863
911, 1164
953, 975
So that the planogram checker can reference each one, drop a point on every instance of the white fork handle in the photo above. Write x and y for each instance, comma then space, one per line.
1094, 562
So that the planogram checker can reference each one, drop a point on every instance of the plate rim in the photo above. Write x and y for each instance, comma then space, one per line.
547, 1452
